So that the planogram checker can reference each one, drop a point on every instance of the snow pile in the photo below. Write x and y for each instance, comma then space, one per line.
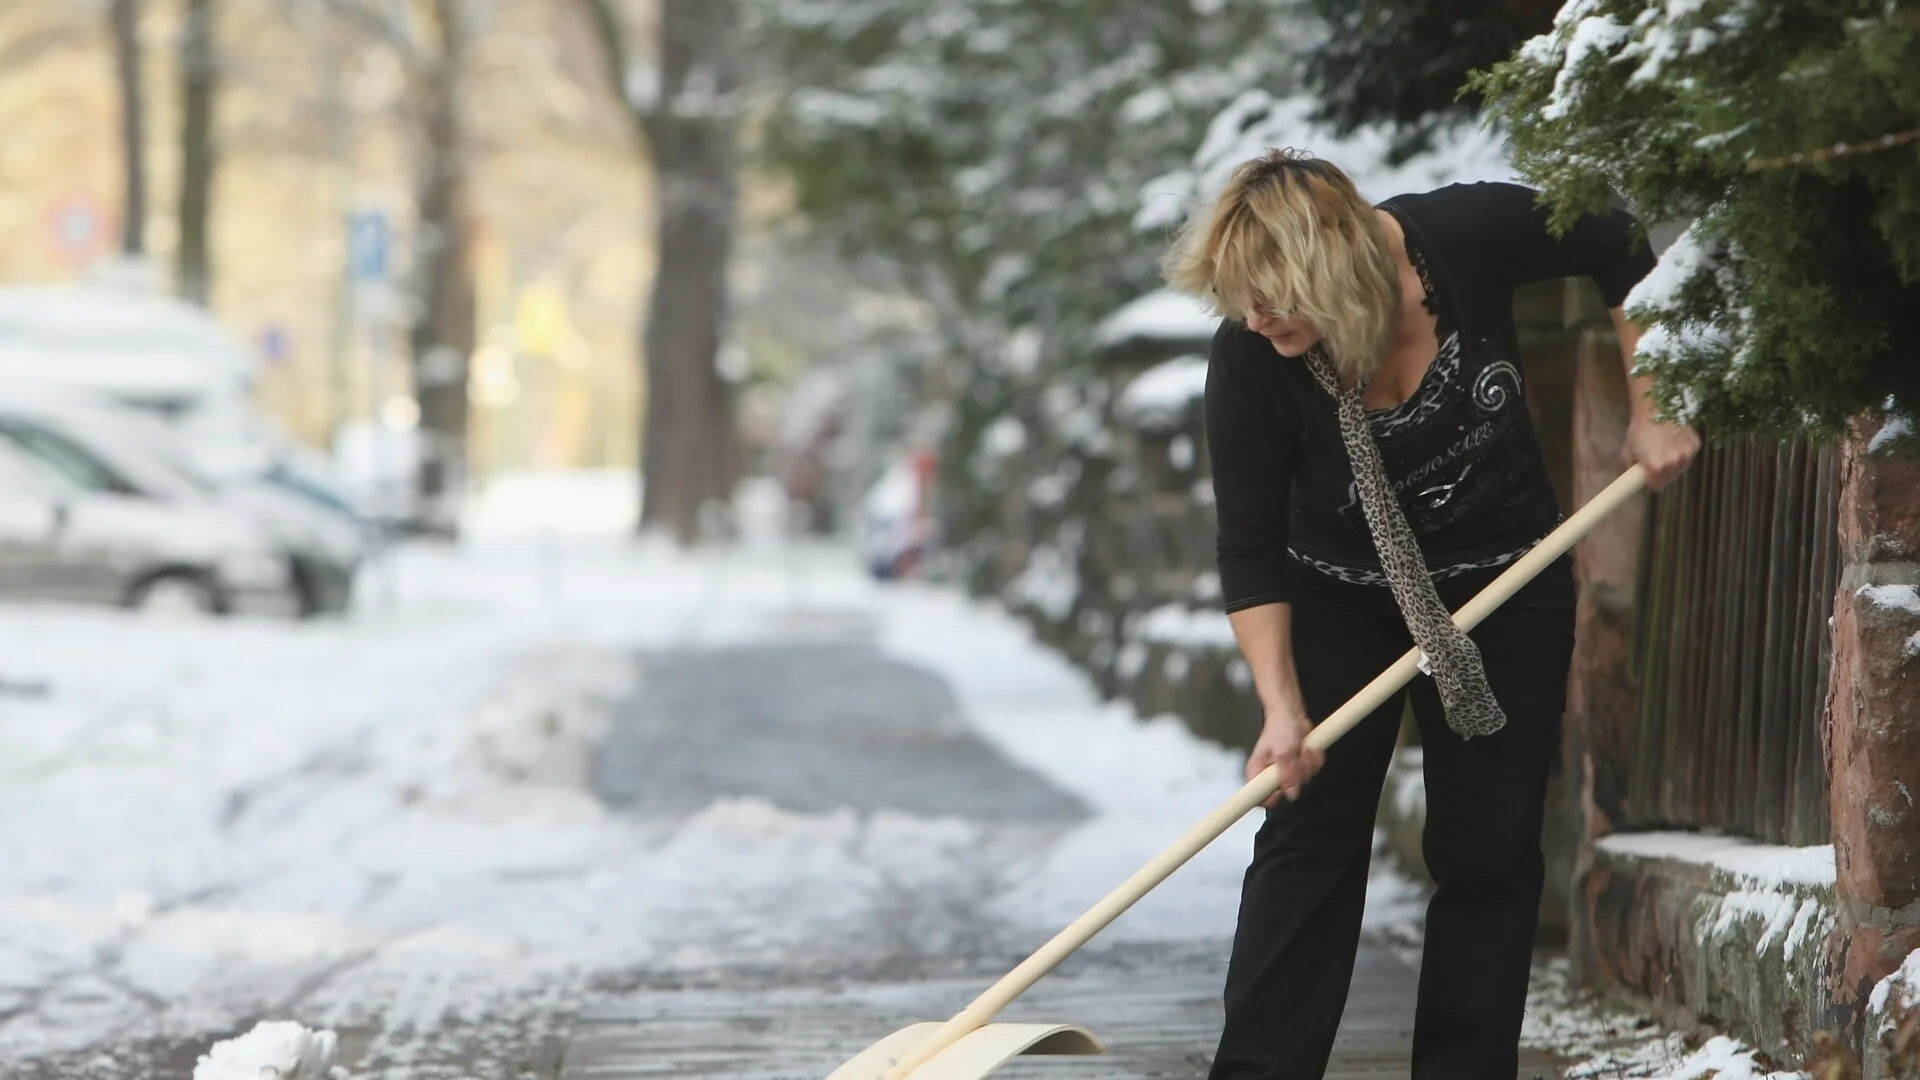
273, 1050
1721, 1058
1158, 316
1161, 395
1604, 1044
1257, 121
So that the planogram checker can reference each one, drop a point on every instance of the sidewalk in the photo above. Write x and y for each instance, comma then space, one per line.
1158, 1012
938, 724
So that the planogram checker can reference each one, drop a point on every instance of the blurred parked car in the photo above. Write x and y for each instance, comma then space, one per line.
169, 360
96, 444
78, 533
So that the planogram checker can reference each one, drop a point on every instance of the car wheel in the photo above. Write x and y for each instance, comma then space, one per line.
175, 594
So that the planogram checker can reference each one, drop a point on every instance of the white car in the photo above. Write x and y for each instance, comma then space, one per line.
169, 360
79, 434
77, 535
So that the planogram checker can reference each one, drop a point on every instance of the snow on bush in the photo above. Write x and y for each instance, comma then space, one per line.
273, 1050
1160, 396
1158, 316
1786, 309
1258, 121
1171, 624
1051, 580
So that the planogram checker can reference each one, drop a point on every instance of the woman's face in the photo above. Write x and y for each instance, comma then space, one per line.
1290, 335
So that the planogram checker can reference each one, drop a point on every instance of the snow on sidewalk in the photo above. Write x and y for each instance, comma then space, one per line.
381, 823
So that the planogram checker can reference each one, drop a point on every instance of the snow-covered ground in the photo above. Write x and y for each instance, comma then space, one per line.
382, 824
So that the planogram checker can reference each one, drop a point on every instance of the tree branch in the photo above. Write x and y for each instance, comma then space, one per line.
1839, 150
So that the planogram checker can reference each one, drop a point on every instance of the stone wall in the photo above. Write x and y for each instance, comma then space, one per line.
1872, 726
1719, 931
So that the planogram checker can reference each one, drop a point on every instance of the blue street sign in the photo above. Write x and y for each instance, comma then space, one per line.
276, 345
367, 242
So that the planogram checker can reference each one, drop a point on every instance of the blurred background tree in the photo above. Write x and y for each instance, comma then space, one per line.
987, 157
683, 101
1405, 62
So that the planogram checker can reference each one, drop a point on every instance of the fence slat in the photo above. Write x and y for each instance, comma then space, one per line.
1731, 650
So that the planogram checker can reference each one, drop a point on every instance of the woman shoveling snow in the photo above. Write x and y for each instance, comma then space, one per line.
1374, 466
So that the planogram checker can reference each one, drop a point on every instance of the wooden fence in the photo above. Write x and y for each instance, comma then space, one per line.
1731, 644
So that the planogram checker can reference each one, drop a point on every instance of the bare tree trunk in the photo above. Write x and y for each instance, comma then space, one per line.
442, 336
199, 73
125, 20
691, 453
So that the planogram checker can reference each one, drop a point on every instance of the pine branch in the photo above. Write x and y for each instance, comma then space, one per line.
1839, 150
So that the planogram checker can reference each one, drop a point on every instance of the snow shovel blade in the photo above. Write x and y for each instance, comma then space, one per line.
974, 1055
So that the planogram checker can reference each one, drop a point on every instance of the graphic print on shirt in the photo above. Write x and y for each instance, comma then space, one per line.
1458, 446
1496, 383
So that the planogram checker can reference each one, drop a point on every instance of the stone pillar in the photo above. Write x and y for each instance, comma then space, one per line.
1872, 724
1602, 704
1549, 317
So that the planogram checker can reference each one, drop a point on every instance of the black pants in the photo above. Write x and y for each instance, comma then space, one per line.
1300, 907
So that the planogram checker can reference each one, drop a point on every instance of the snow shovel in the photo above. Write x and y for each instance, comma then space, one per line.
969, 1047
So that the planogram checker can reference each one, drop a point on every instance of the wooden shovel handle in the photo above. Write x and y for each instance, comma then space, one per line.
1077, 933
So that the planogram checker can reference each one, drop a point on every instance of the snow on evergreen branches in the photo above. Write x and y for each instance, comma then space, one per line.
1792, 302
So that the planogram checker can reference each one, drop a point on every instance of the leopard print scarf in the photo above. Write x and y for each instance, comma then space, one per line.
1449, 655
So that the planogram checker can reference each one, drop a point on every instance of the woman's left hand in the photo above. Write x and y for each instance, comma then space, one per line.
1665, 449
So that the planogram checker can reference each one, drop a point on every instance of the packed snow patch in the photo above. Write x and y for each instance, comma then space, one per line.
1905, 979
1762, 865
1603, 1043
273, 1050
1892, 597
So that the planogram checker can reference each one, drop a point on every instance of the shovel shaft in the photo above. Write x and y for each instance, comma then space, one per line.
1077, 933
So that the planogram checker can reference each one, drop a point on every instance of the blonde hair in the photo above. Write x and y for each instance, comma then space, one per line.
1291, 234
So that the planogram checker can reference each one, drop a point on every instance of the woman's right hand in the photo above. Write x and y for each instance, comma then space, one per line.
1283, 742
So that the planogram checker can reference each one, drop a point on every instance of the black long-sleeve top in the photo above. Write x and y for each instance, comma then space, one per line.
1461, 452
